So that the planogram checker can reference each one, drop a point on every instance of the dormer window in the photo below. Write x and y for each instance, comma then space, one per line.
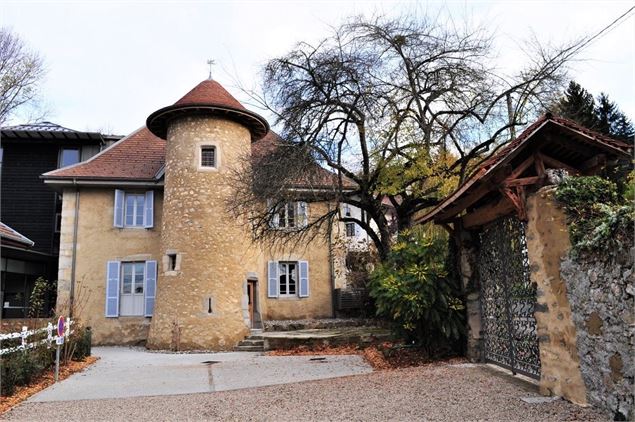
208, 156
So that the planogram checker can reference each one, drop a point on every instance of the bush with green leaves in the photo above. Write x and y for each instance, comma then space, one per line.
21, 367
412, 288
600, 219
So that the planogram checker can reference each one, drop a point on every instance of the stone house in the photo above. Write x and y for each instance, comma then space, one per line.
148, 252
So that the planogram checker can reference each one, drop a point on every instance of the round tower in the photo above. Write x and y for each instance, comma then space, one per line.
200, 298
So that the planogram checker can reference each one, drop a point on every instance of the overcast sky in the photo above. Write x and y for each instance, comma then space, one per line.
113, 63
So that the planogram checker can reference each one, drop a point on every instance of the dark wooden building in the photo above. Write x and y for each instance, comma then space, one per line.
31, 208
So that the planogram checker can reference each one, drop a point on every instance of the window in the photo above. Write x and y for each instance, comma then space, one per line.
134, 209
133, 213
350, 229
69, 156
288, 276
290, 215
208, 156
172, 262
131, 299
130, 288
17, 280
288, 279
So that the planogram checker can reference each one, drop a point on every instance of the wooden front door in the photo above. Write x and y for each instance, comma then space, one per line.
251, 295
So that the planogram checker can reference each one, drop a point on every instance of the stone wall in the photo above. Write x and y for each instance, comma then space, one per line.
467, 255
601, 292
547, 244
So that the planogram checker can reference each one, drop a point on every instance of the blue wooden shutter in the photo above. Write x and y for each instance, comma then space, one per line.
304, 279
150, 287
119, 204
112, 289
272, 286
148, 210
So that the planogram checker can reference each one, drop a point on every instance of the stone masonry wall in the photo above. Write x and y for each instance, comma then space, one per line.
601, 292
547, 244
215, 249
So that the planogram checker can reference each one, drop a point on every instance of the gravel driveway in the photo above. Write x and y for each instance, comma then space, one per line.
434, 392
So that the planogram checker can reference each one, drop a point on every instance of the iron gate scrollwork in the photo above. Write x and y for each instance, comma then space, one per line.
508, 298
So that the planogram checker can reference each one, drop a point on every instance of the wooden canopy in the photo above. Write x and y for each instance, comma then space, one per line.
500, 184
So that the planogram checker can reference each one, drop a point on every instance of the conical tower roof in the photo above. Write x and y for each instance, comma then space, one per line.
211, 99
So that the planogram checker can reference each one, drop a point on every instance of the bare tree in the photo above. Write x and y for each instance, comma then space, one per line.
398, 107
21, 71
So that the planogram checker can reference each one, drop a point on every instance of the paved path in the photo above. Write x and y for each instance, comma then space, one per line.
125, 372
434, 392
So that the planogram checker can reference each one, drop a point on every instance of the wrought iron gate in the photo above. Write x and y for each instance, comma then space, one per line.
508, 298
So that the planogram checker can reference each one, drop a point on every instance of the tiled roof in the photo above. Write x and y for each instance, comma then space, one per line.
138, 156
208, 98
7, 232
141, 155
210, 92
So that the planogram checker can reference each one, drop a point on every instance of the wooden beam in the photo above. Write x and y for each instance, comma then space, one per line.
477, 194
540, 165
523, 181
553, 163
488, 213
517, 198
521, 168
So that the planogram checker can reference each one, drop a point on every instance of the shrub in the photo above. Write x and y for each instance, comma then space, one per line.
599, 218
21, 367
412, 289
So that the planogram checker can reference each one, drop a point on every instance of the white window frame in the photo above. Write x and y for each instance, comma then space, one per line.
198, 156
296, 272
208, 147
135, 210
133, 295
281, 215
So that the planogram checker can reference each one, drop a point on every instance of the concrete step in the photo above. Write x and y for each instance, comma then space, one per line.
251, 342
254, 337
240, 348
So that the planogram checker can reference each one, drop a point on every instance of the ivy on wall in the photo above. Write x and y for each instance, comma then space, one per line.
600, 218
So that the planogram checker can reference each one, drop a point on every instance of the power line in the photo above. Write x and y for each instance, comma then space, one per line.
603, 30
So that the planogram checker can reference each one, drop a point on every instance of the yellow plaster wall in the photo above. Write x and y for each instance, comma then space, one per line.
97, 243
547, 244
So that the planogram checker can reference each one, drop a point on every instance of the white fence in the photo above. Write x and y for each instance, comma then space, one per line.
26, 333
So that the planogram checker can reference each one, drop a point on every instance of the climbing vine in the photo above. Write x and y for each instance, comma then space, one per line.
600, 219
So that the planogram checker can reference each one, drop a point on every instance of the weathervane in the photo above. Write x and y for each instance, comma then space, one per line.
211, 63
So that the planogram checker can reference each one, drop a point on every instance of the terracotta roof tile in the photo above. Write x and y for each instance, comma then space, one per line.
210, 92
138, 156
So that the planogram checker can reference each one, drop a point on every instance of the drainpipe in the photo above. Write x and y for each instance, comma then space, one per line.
74, 255
331, 265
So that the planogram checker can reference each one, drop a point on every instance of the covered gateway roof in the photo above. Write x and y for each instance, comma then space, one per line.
555, 143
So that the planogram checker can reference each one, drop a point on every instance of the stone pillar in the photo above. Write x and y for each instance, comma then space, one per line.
468, 258
199, 304
64, 272
547, 244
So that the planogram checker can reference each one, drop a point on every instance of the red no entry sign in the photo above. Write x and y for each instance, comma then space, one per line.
60, 326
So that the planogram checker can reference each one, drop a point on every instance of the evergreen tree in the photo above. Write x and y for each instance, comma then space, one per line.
577, 105
611, 120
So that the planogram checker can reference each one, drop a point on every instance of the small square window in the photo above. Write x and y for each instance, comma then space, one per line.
69, 156
208, 156
350, 229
